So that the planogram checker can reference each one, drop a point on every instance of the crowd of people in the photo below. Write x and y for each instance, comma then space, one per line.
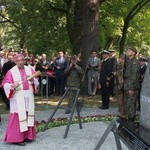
120, 77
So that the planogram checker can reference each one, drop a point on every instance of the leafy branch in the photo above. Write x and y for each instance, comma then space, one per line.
129, 17
57, 8
136, 9
9, 21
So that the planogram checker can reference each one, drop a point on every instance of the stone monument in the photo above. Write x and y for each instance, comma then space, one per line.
145, 99
136, 134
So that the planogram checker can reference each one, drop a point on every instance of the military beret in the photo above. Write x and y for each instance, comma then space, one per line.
143, 59
105, 52
133, 49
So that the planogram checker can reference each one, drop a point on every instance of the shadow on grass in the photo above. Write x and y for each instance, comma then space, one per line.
52, 101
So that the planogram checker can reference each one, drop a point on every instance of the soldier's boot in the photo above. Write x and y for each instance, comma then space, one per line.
131, 119
121, 120
80, 104
68, 111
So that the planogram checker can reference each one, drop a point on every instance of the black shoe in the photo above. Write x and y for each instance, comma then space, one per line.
20, 143
103, 107
28, 140
68, 111
121, 120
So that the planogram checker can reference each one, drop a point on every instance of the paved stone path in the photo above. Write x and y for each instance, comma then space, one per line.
77, 139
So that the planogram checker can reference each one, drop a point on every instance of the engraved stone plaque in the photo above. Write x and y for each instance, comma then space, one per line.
145, 100
135, 136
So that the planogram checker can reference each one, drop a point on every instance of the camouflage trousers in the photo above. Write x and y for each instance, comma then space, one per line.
121, 103
71, 98
130, 103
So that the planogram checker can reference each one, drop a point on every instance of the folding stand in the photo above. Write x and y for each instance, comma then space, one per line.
76, 105
112, 127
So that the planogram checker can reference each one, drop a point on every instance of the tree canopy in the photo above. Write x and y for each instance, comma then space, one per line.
51, 25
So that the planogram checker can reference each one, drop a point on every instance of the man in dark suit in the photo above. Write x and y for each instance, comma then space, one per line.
143, 67
7, 66
105, 76
113, 60
43, 66
60, 65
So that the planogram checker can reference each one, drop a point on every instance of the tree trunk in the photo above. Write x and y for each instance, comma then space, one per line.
69, 21
86, 28
90, 33
124, 34
77, 26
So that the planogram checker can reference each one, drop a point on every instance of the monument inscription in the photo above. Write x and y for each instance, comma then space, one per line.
145, 100
132, 136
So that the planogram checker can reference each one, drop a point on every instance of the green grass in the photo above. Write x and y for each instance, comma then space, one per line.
42, 104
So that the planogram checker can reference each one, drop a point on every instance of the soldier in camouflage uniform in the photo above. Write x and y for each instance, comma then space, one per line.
73, 75
131, 83
119, 89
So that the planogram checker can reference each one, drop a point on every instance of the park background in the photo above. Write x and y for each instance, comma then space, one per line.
74, 26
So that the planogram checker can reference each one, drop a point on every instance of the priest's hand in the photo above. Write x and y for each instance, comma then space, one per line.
30, 78
14, 86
